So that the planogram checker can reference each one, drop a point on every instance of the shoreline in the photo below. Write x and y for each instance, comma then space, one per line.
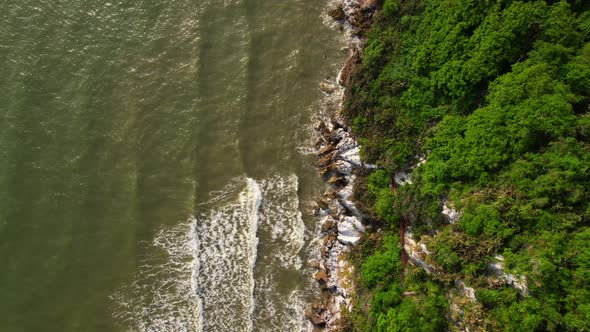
338, 156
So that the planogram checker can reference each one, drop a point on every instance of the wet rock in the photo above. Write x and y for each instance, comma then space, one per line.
328, 240
314, 264
327, 87
327, 170
321, 276
318, 143
337, 135
330, 194
328, 225
325, 149
337, 13
319, 125
324, 251
336, 180
339, 156
325, 160
322, 204
345, 75
317, 314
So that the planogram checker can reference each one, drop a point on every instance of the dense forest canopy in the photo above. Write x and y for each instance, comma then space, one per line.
495, 96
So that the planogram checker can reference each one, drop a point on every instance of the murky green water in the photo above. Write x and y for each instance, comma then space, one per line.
153, 173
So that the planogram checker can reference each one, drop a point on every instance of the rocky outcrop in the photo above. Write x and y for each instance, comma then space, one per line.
516, 281
418, 253
450, 214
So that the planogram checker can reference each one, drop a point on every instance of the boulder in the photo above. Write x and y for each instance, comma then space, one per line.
402, 178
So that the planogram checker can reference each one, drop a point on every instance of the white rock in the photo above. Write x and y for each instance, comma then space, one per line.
417, 253
344, 167
345, 195
402, 178
517, 281
465, 291
451, 214
349, 230
352, 155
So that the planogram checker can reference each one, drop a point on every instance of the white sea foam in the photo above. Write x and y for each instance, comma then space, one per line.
281, 219
279, 305
227, 246
161, 298
209, 276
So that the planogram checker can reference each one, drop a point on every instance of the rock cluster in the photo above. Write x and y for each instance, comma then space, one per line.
338, 158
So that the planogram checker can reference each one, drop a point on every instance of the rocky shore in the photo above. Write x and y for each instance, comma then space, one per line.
338, 158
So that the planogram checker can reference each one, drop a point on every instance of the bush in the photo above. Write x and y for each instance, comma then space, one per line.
383, 266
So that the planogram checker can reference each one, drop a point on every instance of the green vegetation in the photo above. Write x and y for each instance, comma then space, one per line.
496, 95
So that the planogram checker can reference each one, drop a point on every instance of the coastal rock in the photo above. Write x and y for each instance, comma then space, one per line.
337, 13
319, 126
345, 75
329, 240
339, 157
314, 264
330, 194
325, 149
328, 225
336, 180
349, 230
337, 135
327, 87
322, 204
321, 276
367, 4
327, 170
325, 160
317, 314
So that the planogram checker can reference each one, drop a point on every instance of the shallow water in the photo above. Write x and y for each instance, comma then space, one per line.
153, 173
